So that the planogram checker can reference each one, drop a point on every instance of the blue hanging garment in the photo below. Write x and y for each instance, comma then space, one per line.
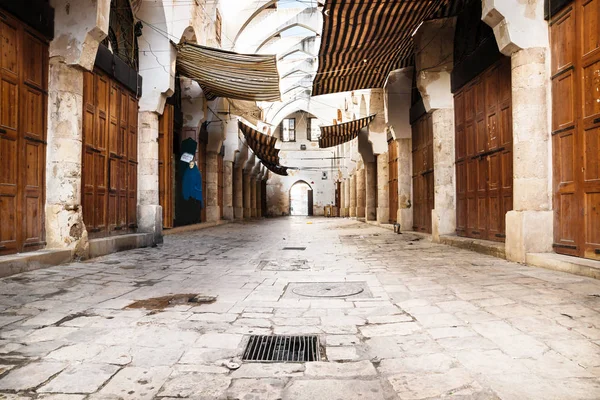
192, 184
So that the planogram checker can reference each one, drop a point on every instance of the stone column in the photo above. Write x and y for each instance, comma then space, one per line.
252, 189
529, 227
405, 210
443, 215
63, 212
371, 191
353, 195
258, 198
228, 190
360, 193
247, 197
342, 198
149, 210
238, 192
347, 197
434, 46
383, 199
213, 212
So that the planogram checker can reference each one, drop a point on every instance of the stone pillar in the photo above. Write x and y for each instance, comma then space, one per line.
434, 47
405, 210
247, 197
529, 227
360, 193
443, 215
353, 195
383, 197
252, 189
342, 198
149, 210
228, 190
371, 191
258, 198
63, 213
213, 212
238, 192
347, 197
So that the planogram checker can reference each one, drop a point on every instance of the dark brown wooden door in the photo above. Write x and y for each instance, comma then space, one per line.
220, 183
576, 128
201, 157
23, 105
165, 165
393, 180
422, 154
110, 156
483, 126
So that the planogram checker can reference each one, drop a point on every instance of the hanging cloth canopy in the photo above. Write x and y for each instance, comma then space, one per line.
276, 169
223, 73
263, 147
364, 40
334, 135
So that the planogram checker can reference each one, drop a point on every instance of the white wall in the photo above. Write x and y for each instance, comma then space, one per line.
312, 162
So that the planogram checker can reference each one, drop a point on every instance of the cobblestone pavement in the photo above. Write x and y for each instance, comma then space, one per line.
432, 321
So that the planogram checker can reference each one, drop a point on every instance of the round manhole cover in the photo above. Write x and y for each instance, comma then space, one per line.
329, 290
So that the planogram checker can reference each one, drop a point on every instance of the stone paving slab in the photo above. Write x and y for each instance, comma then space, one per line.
442, 323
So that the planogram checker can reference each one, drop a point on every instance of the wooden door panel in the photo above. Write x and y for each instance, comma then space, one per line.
10, 48
590, 23
563, 42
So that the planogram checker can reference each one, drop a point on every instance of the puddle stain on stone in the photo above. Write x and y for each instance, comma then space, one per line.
160, 303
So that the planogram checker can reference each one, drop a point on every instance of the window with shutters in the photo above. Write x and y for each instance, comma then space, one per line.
313, 129
288, 130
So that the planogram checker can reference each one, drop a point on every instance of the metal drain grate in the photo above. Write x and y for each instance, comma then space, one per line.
294, 248
266, 349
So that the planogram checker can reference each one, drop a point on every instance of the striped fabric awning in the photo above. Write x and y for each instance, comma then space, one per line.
226, 74
276, 169
263, 147
363, 40
334, 135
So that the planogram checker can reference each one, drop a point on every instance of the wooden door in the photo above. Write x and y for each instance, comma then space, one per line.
23, 105
575, 43
201, 157
393, 180
220, 184
165, 165
110, 156
483, 126
422, 154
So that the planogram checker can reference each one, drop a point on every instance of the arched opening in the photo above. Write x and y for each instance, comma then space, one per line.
301, 199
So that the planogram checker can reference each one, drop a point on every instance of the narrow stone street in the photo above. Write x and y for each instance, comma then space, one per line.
410, 320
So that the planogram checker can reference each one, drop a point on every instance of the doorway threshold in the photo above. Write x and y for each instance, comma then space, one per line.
561, 262
495, 249
24, 262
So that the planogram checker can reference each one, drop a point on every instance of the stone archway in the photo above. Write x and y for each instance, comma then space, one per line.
301, 199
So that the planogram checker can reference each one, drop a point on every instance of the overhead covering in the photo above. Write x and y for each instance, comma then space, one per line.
226, 74
263, 147
363, 40
334, 135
